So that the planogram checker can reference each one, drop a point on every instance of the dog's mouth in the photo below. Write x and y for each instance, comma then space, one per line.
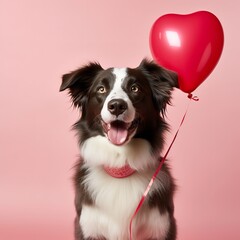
119, 132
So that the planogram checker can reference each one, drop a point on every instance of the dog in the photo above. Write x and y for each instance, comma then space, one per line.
121, 136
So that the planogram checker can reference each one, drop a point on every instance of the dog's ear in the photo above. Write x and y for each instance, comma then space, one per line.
79, 82
162, 82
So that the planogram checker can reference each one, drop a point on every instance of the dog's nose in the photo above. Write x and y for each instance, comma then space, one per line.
117, 106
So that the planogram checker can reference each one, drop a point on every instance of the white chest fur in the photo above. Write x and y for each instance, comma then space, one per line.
115, 203
116, 199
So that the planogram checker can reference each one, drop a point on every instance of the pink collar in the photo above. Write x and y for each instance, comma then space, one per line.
121, 172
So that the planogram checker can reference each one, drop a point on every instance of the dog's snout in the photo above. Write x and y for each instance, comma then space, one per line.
117, 106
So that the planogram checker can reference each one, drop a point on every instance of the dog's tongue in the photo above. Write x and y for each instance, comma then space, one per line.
117, 133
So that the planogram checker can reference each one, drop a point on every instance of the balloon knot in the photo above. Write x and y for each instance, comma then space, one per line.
195, 98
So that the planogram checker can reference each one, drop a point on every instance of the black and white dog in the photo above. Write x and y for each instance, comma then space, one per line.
121, 137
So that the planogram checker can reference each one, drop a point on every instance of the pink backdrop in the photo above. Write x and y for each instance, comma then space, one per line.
40, 40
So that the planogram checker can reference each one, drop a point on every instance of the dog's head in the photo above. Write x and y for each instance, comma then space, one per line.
121, 103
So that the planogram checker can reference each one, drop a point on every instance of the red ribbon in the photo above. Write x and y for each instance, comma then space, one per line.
191, 97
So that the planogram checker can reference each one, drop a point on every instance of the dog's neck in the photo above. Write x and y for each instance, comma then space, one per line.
137, 154
121, 172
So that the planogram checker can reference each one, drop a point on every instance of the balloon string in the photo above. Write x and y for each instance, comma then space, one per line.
191, 97
195, 98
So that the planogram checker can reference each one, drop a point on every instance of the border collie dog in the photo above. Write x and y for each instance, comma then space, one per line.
121, 135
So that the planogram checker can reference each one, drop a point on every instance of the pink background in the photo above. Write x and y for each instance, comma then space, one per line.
40, 40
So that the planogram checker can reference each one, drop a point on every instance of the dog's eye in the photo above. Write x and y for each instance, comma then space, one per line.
101, 89
134, 88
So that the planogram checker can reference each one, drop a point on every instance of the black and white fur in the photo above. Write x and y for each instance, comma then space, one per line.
122, 122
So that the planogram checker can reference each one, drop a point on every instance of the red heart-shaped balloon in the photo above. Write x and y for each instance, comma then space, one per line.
190, 45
